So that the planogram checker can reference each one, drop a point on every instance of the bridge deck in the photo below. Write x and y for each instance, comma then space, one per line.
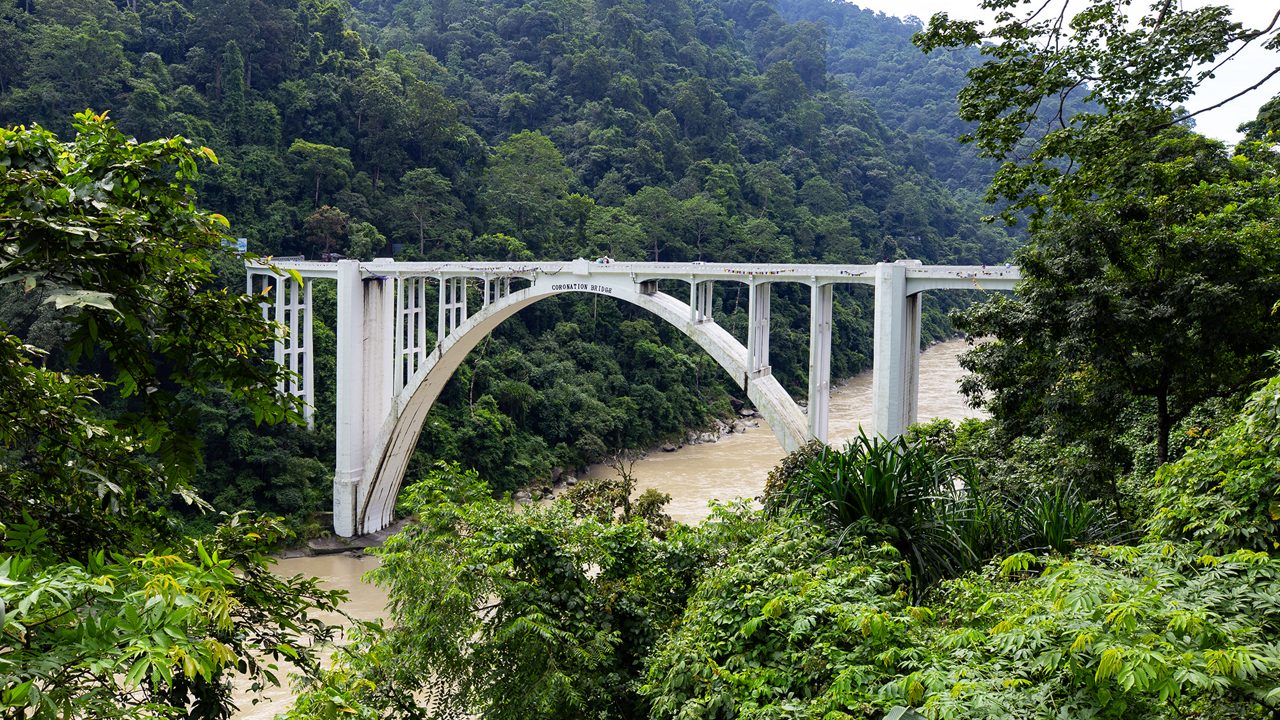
939, 276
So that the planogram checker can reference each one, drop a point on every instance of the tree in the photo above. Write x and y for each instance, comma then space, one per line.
523, 183
1149, 277
1136, 77
326, 228
1266, 125
1161, 295
118, 615
365, 241
323, 163
1225, 492
428, 202
528, 614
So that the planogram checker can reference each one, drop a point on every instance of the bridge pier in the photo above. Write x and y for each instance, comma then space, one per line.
895, 363
366, 357
820, 304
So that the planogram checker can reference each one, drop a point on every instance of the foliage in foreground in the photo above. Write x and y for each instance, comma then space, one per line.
151, 635
790, 629
532, 613
929, 503
105, 609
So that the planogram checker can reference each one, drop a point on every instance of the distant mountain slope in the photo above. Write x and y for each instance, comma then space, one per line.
871, 54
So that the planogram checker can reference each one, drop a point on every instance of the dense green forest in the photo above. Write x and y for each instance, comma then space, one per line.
451, 130
1103, 546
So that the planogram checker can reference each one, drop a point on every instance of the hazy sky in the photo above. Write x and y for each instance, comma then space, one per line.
1246, 69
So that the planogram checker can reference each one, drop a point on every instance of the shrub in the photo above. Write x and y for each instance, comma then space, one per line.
1225, 493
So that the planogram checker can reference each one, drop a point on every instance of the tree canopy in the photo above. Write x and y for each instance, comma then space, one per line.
107, 610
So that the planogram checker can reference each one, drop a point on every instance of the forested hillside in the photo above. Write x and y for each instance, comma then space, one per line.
672, 130
872, 54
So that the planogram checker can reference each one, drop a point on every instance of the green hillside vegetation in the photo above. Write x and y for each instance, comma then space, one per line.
871, 54
517, 130
1103, 546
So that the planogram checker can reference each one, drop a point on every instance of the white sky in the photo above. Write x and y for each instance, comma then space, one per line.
1246, 69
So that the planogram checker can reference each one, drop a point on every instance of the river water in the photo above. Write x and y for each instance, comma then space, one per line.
735, 466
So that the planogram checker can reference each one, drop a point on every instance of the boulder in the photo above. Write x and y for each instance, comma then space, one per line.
668, 447
747, 412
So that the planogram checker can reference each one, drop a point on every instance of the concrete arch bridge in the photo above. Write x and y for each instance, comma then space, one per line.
390, 372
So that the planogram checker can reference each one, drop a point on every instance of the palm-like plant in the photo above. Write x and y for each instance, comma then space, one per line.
917, 501
930, 506
1059, 519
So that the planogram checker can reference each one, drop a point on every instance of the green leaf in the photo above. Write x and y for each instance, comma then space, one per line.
82, 298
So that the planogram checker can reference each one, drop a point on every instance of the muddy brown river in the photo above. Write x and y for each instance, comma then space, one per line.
733, 467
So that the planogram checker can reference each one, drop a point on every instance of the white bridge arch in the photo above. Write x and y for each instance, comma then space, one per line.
388, 376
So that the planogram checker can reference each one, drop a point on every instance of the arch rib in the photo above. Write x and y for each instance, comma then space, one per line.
386, 464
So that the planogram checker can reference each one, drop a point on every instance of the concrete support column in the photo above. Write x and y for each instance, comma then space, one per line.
366, 355
278, 283
820, 303
441, 313
308, 364
350, 457
700, 294
758, 330
890, 358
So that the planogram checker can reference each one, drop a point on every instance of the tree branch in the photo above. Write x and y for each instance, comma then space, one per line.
1246, 91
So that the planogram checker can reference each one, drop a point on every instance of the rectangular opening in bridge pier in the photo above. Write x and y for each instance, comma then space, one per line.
410, 339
